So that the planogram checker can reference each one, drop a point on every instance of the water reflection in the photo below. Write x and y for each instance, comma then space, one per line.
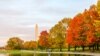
14, 54
3, 54
47, 55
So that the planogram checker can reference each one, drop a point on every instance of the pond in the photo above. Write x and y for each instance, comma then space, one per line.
43, 55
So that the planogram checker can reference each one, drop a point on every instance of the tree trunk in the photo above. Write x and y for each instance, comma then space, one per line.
89, 47
97, 46
60, 48
68, 47
83, 48
75, 48
93, 48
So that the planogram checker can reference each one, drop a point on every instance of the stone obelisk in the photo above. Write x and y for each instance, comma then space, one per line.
36, 32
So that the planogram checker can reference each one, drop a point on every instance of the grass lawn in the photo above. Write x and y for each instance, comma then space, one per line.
54, 50
29, 52
10, 51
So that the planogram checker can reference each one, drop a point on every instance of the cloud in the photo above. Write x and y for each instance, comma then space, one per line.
11, 12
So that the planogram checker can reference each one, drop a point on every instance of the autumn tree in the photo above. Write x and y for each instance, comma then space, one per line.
97, 22
89, 21
93, 11
30, 45
58, 32
14, 43
98, 7
43, 39
75, 31
83, 32
97, 33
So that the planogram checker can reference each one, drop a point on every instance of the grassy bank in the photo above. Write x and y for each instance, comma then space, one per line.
53, 50
31, 51
10, 51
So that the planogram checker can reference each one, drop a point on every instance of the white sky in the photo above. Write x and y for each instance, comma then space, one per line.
18, 17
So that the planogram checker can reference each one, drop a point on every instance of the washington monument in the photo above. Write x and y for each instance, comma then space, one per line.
36, 32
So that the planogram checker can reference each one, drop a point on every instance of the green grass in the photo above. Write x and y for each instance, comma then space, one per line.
10, 51
54, 50
14, 51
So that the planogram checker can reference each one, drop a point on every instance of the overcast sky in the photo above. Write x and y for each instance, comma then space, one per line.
18, 17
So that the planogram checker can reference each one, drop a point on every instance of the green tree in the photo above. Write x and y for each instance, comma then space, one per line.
30, 45
15, 43
58, 32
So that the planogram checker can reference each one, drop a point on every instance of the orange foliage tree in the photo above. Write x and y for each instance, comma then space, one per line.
43, 39
81, 31
73, 32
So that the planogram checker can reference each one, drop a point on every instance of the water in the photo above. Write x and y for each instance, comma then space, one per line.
42, 55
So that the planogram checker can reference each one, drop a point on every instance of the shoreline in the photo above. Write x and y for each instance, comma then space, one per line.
44, 52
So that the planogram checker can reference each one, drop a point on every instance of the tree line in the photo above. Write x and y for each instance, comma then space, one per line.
83, 30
